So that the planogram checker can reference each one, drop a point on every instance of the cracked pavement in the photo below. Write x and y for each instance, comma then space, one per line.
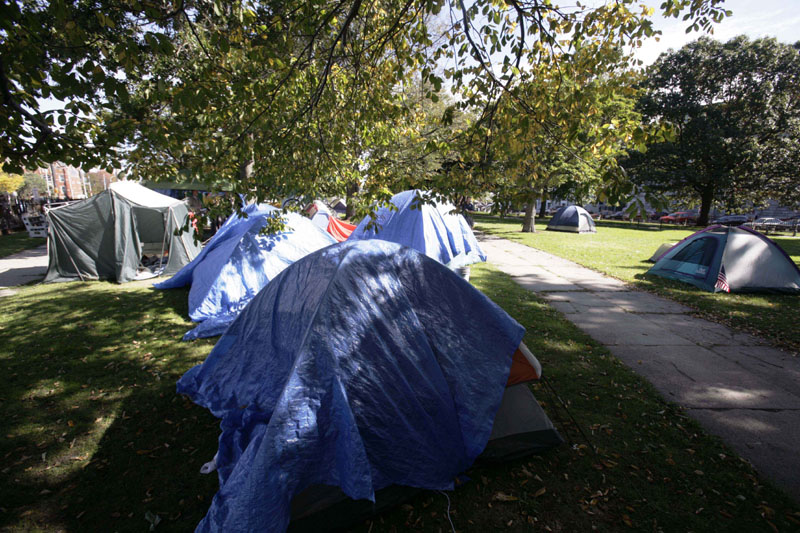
735, 385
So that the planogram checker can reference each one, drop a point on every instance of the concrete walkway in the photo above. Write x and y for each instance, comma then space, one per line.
736, 385
23, 267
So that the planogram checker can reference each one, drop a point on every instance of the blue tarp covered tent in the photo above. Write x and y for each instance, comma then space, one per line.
446, 238
238, 262
363, 365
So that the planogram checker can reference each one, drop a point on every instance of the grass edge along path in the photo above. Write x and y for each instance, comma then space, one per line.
621, 250
18, 242
96, 439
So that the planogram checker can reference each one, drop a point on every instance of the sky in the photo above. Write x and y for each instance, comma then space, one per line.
754, 18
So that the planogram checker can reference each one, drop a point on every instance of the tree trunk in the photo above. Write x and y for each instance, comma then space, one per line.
529, 222
543, 207
351, 191
246, 170
706, 198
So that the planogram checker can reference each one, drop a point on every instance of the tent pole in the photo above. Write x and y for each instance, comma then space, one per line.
76, 266
185, 249
163, 243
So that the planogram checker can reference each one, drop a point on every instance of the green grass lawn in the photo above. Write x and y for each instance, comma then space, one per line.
17, 242
95, 437
621, 249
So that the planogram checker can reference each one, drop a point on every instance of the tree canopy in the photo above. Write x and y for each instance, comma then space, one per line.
736, 111
298, 97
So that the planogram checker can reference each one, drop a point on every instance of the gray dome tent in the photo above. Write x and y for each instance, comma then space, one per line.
730, 259
103, 237
572, 218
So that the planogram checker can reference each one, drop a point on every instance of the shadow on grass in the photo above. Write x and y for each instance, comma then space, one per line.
92, 427
95, 436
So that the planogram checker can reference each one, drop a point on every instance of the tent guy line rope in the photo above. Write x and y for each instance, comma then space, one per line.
553, 391
452, 527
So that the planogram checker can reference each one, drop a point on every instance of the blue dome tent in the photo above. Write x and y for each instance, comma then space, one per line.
238, 262
362, 366
446, 238
573, 219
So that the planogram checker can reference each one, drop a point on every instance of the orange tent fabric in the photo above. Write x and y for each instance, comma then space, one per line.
339, 229
521, 369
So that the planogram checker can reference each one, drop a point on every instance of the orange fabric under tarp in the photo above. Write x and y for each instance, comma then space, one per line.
521, 370
340, 230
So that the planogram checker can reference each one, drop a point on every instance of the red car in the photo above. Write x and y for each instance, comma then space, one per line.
679, 217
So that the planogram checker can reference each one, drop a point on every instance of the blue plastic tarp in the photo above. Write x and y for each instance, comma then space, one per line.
238, 262
444, 237
363, 365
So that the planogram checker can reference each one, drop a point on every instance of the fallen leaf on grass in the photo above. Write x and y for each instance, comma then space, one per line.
503, 497
539, 492
154, 519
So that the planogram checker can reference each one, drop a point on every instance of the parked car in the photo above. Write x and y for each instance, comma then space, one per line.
769, 224
679, 217
731, 220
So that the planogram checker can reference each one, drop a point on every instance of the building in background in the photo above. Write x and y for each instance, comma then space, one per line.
99, 180
70, 183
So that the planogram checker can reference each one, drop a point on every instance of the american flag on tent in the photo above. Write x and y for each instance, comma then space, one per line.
722, 281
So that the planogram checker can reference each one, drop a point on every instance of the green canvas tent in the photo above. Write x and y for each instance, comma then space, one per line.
105, 236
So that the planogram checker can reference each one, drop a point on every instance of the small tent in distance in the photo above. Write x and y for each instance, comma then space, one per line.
730, 259
572, 218
238, 262
105, 236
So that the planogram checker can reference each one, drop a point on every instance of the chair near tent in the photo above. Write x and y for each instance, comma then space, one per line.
572, 218
105, 236
362, 368
730, 259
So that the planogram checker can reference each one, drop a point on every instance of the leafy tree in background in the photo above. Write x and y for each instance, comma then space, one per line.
297, 97
579, 123
32, 181
735, 107
9, 182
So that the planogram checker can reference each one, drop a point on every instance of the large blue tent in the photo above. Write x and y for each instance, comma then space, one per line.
445, 237
362, 366
238, 262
